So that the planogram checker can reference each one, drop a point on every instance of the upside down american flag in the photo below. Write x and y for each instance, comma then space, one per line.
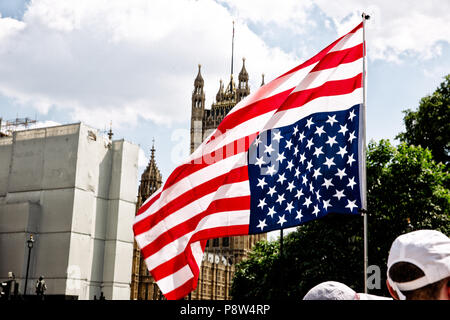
289, 153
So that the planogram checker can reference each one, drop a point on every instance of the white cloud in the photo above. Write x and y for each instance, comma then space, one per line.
143, 160
291, 14
9, 27
397, 28
102, 60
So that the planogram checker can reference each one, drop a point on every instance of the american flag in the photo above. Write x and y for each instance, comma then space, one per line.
286, 154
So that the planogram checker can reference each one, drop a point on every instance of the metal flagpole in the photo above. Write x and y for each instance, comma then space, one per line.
363, 149
282, 260
232, 50
281, 242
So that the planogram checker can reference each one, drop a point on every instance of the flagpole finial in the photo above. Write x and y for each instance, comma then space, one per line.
232, 49
365, 16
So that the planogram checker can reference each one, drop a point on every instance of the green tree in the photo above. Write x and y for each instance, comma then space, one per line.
429, 126
405, 191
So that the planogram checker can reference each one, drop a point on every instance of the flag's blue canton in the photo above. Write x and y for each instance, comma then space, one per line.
304, 171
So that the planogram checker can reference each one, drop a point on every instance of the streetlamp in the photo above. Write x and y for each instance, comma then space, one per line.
30, 243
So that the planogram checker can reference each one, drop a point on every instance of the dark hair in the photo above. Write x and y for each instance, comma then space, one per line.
405, 272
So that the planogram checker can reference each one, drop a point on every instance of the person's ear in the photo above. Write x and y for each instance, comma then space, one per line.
391, 290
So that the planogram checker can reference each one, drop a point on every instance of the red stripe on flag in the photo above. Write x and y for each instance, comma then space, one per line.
236, 175
176, 263
252, 110
219, 232
230, 149
148, 204
182, 291
169, 267
191, 284
321, 54
336, 58
330, 88
220, 205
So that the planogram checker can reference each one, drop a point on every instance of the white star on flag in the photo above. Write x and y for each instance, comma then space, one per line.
281, 220
339, 194
262, 203
261, 183
351, 205
262, 224
331, 120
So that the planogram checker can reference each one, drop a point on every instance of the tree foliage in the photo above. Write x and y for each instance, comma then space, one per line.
405, 192
429, 126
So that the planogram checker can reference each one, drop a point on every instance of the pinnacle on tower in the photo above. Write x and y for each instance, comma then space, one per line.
199, 79
243, 88
151, 178
220, 93
243, 75
197, 111
262, 82
153, 150
198, 96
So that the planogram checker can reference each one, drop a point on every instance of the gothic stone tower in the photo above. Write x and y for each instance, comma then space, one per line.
143, 286
220, 254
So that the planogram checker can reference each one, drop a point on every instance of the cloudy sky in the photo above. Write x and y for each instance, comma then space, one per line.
134, 62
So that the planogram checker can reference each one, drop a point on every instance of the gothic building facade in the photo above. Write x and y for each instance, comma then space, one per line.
220, 254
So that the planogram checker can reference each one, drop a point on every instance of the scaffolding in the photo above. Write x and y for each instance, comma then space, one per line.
9, 126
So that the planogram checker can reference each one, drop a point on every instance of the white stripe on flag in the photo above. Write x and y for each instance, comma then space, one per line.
322, 104
341, 72
201, 176
174, 248
349, 41
182, 215
175, 279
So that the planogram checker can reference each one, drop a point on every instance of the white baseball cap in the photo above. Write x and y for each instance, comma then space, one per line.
427, 249
332, 290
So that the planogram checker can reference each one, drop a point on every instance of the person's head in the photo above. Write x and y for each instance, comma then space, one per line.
40, 278
332, 290
419, 266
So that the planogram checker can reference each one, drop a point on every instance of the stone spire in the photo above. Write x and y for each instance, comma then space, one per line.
220, 94
262, 82
198, 95
243, 89
151, 178
198, 82
197, 111
243, 75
